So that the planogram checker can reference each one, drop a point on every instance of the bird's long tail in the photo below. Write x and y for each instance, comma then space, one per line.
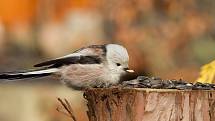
28, 74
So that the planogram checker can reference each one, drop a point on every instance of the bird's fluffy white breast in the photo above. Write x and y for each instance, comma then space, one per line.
90, 75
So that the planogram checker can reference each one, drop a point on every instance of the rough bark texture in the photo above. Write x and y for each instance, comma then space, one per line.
150, 105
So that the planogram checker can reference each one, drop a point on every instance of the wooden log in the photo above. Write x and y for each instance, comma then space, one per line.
150, 105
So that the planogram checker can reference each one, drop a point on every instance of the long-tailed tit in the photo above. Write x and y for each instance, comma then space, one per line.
92, 66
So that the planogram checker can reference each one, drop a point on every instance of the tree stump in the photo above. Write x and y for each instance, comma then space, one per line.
136, 104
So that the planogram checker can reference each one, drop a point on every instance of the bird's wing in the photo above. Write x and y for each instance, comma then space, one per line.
89, 55
70, 59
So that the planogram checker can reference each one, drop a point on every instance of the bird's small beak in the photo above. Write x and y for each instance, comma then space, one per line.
129, 70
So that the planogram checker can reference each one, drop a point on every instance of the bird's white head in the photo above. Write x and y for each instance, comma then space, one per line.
118, 59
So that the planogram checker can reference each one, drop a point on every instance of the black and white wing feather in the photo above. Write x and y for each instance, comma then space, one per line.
70, 60
89, 55
93, 54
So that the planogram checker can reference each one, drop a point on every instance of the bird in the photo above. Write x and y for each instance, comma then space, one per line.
91, 66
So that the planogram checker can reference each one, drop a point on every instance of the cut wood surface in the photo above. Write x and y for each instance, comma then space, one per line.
150, 105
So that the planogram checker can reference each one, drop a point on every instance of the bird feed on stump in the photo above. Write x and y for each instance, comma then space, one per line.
171, 100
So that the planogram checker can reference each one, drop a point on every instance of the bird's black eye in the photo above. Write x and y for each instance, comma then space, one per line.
118, 64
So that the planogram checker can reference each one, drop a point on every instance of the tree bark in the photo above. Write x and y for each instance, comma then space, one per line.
150, 105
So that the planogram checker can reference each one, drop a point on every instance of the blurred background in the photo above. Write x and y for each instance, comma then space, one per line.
170, 39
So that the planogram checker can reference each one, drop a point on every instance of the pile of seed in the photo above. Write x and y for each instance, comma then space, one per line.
158, 83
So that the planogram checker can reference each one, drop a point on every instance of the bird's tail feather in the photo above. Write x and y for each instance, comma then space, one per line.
28, 74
